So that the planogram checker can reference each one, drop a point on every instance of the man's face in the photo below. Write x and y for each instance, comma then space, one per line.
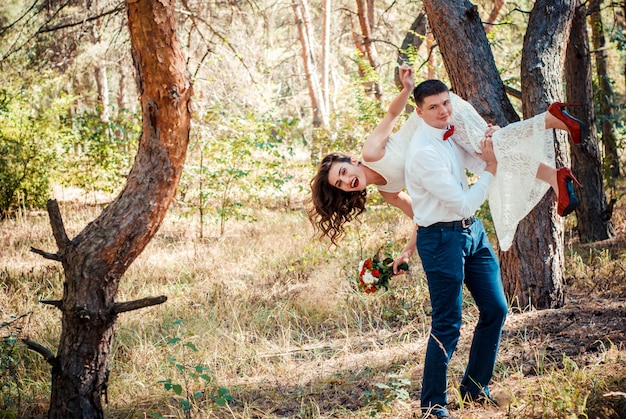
436, 110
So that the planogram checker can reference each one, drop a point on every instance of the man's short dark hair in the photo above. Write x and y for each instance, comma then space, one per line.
428, 88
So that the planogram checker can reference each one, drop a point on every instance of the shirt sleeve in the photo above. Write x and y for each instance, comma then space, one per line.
473, 163
436, 174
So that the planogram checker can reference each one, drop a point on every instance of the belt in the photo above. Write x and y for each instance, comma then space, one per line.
464, 223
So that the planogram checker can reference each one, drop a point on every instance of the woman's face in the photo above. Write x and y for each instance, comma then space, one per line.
347, 176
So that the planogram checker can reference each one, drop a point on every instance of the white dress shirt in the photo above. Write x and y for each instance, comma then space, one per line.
436, 180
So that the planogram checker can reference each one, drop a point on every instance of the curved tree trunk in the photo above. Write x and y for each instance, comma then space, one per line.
593, 214
95, 260
539, 281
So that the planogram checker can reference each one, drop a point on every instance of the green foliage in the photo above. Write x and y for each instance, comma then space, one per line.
9, 373
234, 163
355, 121
30, 130
196, 391
99, 154
386, 393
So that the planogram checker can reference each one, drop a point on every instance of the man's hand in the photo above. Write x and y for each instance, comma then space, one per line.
402, 258
488, 155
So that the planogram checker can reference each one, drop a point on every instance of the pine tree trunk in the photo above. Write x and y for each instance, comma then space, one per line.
95, 260
606, 97
326, 55
539, 281
593, 214
320, 116
365, 10
497, 7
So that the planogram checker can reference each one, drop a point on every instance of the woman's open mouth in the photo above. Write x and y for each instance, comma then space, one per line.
355, 182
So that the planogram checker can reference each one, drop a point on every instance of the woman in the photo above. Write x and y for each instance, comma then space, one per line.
525, 153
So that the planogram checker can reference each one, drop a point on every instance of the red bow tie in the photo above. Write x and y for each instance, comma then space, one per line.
448, 133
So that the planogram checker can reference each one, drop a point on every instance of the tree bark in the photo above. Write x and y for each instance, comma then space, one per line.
539, 281
593, 214
95, 260
605, 94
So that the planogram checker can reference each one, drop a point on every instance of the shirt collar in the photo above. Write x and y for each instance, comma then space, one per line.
435, 132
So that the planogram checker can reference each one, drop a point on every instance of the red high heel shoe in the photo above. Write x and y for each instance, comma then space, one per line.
577, 128
568, 201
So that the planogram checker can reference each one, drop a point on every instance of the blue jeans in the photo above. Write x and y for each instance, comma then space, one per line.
452, 256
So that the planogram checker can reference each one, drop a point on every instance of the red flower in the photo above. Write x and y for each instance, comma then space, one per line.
375, 273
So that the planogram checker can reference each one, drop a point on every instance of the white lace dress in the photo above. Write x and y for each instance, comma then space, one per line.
519, 148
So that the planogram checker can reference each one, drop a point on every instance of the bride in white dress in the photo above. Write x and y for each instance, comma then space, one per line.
524, 150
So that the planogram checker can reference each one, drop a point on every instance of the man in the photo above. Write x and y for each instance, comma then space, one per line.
454, 248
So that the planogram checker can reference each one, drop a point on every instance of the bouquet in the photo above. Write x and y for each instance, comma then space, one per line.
375, 273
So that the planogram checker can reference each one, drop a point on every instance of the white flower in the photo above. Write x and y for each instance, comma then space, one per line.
368, 278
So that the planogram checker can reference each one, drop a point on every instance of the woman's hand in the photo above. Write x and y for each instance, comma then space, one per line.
490, 130
405, 73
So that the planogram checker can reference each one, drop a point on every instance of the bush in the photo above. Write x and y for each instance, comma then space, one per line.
234, 163
30, 131
99, 154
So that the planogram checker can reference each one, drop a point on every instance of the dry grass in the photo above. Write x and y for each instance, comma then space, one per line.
275, 318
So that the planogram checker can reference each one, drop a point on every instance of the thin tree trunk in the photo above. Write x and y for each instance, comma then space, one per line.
320, 116
411, 43
593, 214
326, 54
605, 94
430, 45
122, 89
100, 71
364, 13
102, 85
497, 7
95, 260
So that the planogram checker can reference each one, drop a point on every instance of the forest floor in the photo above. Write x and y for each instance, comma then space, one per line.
580, 332
278, 321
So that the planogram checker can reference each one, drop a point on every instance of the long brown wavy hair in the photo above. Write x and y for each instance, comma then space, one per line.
331, 207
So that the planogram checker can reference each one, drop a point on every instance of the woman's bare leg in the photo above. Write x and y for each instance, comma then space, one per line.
548, 175
553, 122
